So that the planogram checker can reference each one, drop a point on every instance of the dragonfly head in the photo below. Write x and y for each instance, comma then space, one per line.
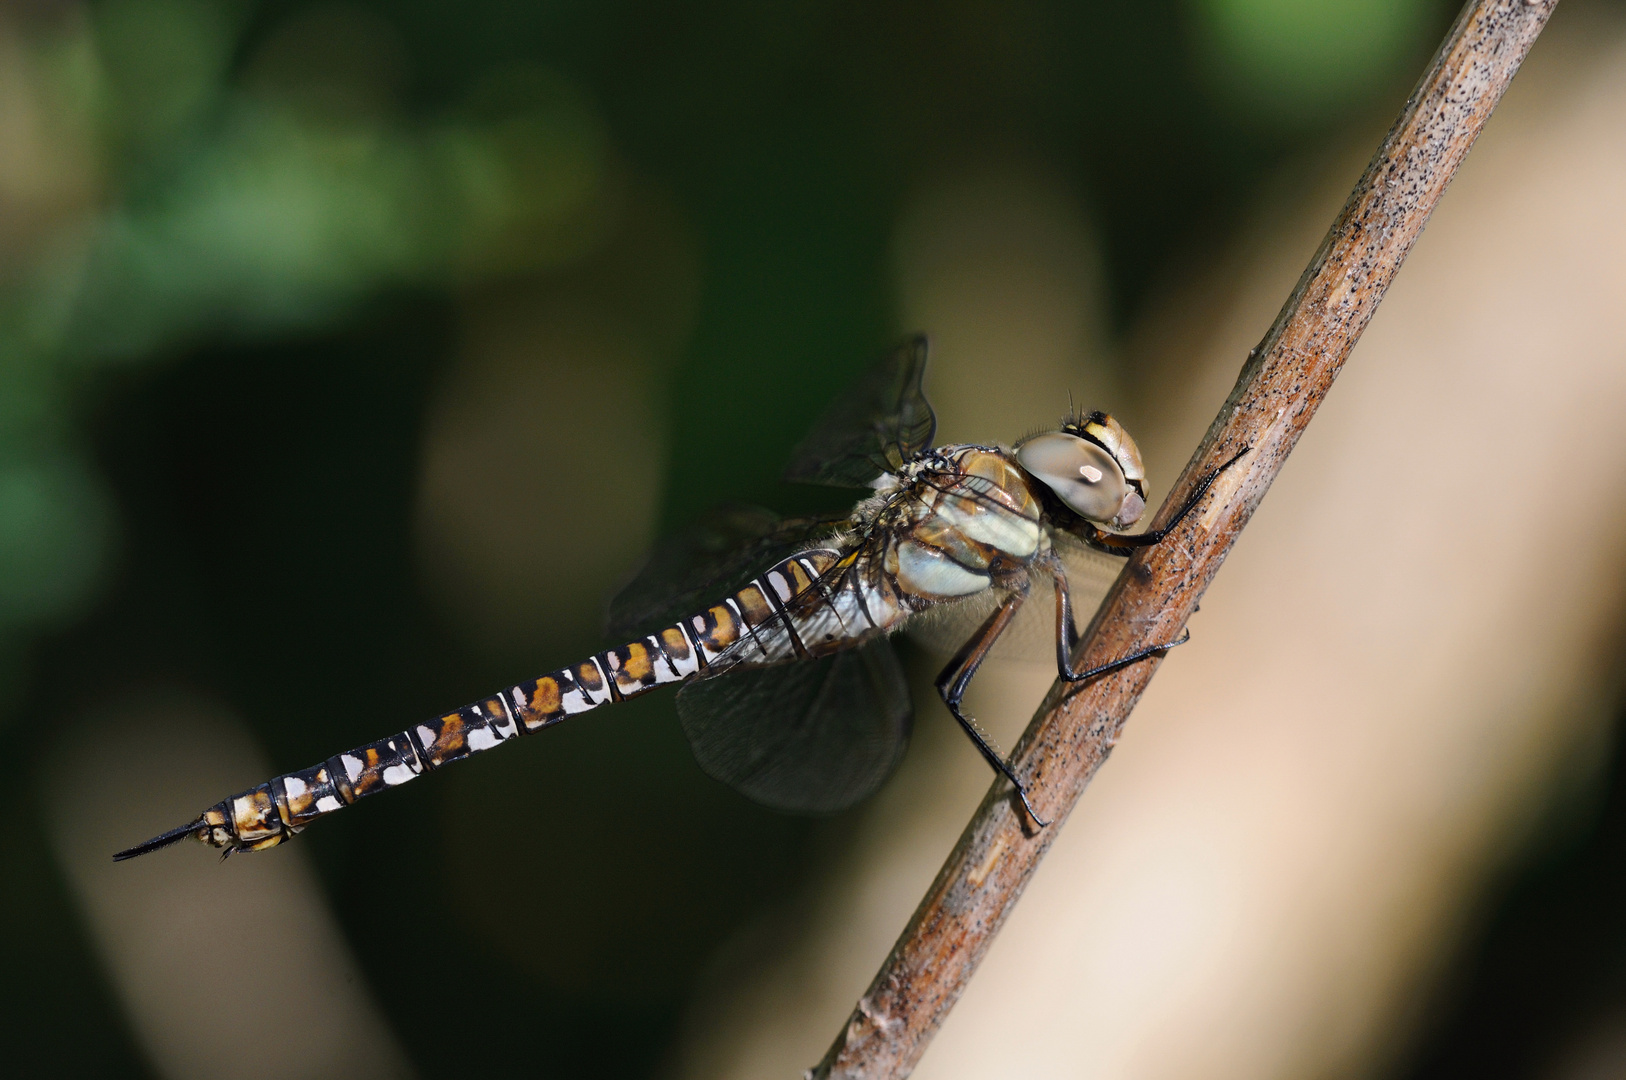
1092, 466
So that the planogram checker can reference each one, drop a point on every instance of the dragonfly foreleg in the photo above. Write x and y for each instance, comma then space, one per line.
1125, 544
1067, 633
952, 683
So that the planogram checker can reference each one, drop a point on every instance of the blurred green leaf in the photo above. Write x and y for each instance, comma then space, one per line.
1292, 61
56, 524
163, 61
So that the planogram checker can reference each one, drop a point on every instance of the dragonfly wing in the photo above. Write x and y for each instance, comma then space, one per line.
881, 422
714, 556
811, 737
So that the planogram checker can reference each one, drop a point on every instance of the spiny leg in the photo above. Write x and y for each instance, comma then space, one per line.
952, 683
1067, 633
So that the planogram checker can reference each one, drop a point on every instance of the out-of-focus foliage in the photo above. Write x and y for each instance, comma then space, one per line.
154, 193
1292, 61
54, 535
179, 170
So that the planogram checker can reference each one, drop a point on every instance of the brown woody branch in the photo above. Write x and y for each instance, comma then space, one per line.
1283, 381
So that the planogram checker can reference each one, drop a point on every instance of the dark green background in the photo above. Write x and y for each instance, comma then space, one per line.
262, 484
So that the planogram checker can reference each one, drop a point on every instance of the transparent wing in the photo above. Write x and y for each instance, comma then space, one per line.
882, 421
1031, 637
811, 737
710, 559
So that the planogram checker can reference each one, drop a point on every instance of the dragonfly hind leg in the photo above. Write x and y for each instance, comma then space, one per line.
952, 683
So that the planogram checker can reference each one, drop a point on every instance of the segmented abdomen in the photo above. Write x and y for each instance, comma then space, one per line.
790, 611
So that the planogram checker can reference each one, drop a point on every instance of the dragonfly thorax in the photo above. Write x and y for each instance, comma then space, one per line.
965, 519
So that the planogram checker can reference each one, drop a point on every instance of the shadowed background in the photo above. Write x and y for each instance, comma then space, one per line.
351, 354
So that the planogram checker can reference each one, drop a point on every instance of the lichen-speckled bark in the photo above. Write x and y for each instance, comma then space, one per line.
1281, 384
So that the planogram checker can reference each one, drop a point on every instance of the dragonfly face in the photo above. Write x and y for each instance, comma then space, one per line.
1092, 466
777, 629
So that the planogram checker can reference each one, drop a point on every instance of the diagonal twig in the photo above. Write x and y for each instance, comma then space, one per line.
1281, 384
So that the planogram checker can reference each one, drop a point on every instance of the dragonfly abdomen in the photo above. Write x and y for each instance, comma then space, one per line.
271, 813
740, 626
817, 602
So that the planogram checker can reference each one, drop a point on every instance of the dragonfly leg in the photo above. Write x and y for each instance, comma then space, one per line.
952, 683
1125, 544
1067, 633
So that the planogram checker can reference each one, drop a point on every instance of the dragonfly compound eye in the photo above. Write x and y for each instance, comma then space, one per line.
1084, 476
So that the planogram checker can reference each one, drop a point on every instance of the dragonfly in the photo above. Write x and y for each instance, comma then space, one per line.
777, 629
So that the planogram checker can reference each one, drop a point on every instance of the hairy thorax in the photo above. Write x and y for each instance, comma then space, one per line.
959, 521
